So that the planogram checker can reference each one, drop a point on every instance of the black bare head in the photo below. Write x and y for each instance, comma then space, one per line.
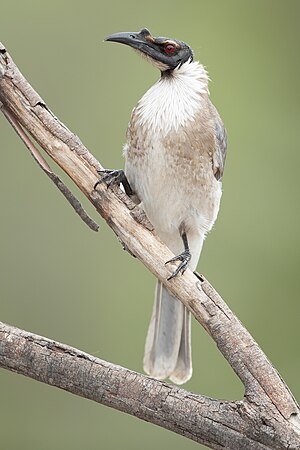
164, 53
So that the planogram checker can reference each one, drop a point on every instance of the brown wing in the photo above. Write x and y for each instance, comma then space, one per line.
219, 154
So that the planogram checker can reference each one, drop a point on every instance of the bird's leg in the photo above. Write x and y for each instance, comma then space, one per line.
184, 257
111, 177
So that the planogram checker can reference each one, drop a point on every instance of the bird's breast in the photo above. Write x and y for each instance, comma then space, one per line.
173, 177
169, 151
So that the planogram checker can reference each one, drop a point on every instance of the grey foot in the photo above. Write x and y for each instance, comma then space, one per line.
185, 258
111, 177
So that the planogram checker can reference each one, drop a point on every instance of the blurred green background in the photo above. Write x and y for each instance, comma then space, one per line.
61, 280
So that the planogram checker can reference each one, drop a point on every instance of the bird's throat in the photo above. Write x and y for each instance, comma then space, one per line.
174, 100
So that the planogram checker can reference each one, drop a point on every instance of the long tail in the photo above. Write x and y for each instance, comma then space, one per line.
168, 351
168, 346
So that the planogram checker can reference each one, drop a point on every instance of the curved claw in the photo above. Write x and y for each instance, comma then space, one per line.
114, 177
185, 258
96, 184
109, 177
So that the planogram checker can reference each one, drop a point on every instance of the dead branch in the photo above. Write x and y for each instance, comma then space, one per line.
268, 417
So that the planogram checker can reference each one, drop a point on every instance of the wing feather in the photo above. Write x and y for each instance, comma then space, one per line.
219, 154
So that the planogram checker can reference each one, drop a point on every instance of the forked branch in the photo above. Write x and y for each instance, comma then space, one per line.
268, 417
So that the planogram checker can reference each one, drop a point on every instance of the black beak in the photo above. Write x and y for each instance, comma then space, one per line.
133, 39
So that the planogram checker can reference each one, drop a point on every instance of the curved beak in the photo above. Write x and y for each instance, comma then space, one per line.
133, 39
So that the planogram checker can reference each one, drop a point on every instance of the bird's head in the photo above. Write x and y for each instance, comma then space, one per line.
164, 53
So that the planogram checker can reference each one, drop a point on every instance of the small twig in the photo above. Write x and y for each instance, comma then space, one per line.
74, 202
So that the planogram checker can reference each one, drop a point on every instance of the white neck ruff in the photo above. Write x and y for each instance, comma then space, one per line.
174, 100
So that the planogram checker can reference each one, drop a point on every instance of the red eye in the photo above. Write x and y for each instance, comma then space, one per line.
169, 48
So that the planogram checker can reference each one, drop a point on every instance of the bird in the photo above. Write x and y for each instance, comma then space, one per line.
175, 152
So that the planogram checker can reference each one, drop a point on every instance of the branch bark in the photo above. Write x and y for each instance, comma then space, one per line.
219, 424
268, 417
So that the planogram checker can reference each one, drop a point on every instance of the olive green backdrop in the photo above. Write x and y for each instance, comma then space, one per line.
61, 280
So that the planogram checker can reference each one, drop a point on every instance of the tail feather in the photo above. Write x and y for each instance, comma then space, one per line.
168, 342
183, 370
167, 347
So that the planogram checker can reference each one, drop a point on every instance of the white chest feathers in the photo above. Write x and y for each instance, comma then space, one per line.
174, 100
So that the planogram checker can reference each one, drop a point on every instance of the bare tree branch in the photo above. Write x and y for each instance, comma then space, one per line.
269, 415
220, 424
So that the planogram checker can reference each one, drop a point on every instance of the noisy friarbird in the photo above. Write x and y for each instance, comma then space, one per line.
174, 162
